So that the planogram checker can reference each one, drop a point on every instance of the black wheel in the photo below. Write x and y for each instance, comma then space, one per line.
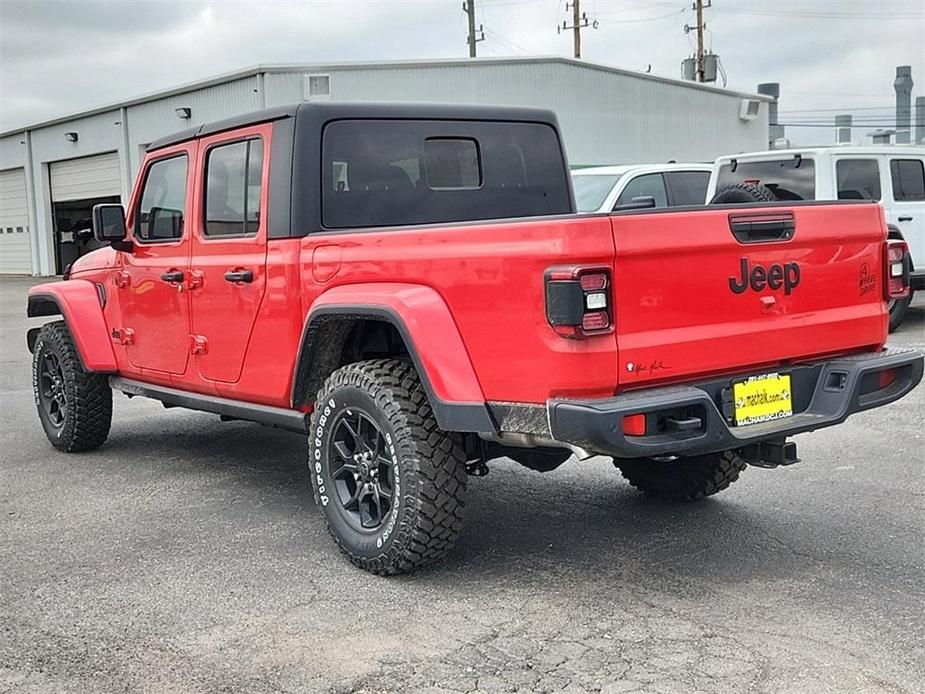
390, 483
75, 406
743, 193
683, 479
898, 308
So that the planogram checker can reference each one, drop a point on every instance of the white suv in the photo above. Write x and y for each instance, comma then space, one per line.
892, 174
608, 188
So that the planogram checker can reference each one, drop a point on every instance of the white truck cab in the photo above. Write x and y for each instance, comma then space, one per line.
606, 188
892, 174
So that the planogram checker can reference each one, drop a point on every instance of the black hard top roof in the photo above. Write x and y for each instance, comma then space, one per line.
363, 110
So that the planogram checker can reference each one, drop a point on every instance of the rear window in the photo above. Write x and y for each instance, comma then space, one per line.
789, 179
908, 179
591, 190
394, 173
858, 179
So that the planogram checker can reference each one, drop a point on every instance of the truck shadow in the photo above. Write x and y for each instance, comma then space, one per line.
582, 518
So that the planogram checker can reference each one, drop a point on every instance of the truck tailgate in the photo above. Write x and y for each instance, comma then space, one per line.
733, 290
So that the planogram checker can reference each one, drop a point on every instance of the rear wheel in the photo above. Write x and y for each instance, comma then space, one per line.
898, 308
74, 406
389, 481
683, 479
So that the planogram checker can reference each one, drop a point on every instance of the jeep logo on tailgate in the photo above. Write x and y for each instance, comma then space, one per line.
773, 277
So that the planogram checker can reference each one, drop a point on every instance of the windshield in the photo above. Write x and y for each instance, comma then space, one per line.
592, 190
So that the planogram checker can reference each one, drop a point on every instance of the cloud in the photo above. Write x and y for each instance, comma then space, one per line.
61, 57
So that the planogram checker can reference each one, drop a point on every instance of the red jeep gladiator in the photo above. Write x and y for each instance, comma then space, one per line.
409, 286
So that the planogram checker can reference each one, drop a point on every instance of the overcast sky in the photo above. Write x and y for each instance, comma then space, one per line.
58, 57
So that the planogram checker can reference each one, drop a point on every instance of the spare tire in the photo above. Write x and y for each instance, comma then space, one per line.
743, 193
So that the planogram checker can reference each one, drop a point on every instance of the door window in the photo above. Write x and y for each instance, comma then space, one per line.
688, 187
649, 185
908, 180
233, 177
163, 201
858, 179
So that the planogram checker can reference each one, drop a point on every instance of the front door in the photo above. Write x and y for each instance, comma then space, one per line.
153, 294
229, 258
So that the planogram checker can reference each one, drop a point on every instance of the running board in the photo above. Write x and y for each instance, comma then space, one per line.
281, 418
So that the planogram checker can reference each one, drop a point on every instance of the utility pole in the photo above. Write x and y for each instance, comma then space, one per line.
698, 7
469, 9
579, 22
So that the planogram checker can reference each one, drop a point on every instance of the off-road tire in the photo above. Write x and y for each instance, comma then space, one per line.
683, 479
87, 413
741, 193
426, 514
898, 308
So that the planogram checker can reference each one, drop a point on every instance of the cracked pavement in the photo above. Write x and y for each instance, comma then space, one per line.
186, 555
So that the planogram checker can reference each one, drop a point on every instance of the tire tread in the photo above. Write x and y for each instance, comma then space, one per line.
437, 459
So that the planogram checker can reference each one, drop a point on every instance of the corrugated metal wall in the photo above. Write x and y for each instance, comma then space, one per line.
153, 119
607, 116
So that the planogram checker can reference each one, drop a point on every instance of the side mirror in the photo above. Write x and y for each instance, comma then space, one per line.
641, 202
109, 224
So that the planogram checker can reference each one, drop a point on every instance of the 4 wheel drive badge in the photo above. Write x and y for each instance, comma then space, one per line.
867, 281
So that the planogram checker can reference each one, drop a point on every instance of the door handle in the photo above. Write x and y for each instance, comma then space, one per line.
239, 275
173, 276
905, 219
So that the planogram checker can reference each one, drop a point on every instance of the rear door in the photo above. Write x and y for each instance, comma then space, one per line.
229, 256
152, 283
721, 290
907, 210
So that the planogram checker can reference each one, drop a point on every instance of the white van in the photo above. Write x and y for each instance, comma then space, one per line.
892, 174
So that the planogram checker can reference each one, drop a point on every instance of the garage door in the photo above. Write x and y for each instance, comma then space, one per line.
15, 250
85, 178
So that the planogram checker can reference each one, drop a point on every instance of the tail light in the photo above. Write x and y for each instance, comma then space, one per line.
578, 301
896, 269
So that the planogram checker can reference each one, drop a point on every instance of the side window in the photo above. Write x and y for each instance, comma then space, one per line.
233, 175
908, 179
163, 201
688, 187
394, 173
858, 179
650, 185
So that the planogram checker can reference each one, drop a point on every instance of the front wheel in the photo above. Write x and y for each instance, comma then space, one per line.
683, 479
74, 405
390, 483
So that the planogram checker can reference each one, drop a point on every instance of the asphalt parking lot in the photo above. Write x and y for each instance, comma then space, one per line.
186, 555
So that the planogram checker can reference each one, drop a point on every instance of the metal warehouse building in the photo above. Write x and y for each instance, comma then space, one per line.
52, 173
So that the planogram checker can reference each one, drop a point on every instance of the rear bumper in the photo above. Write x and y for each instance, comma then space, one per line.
824, 394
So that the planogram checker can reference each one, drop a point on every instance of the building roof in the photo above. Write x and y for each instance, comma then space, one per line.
324, 67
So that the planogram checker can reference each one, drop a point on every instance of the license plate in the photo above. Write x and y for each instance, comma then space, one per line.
762, 398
